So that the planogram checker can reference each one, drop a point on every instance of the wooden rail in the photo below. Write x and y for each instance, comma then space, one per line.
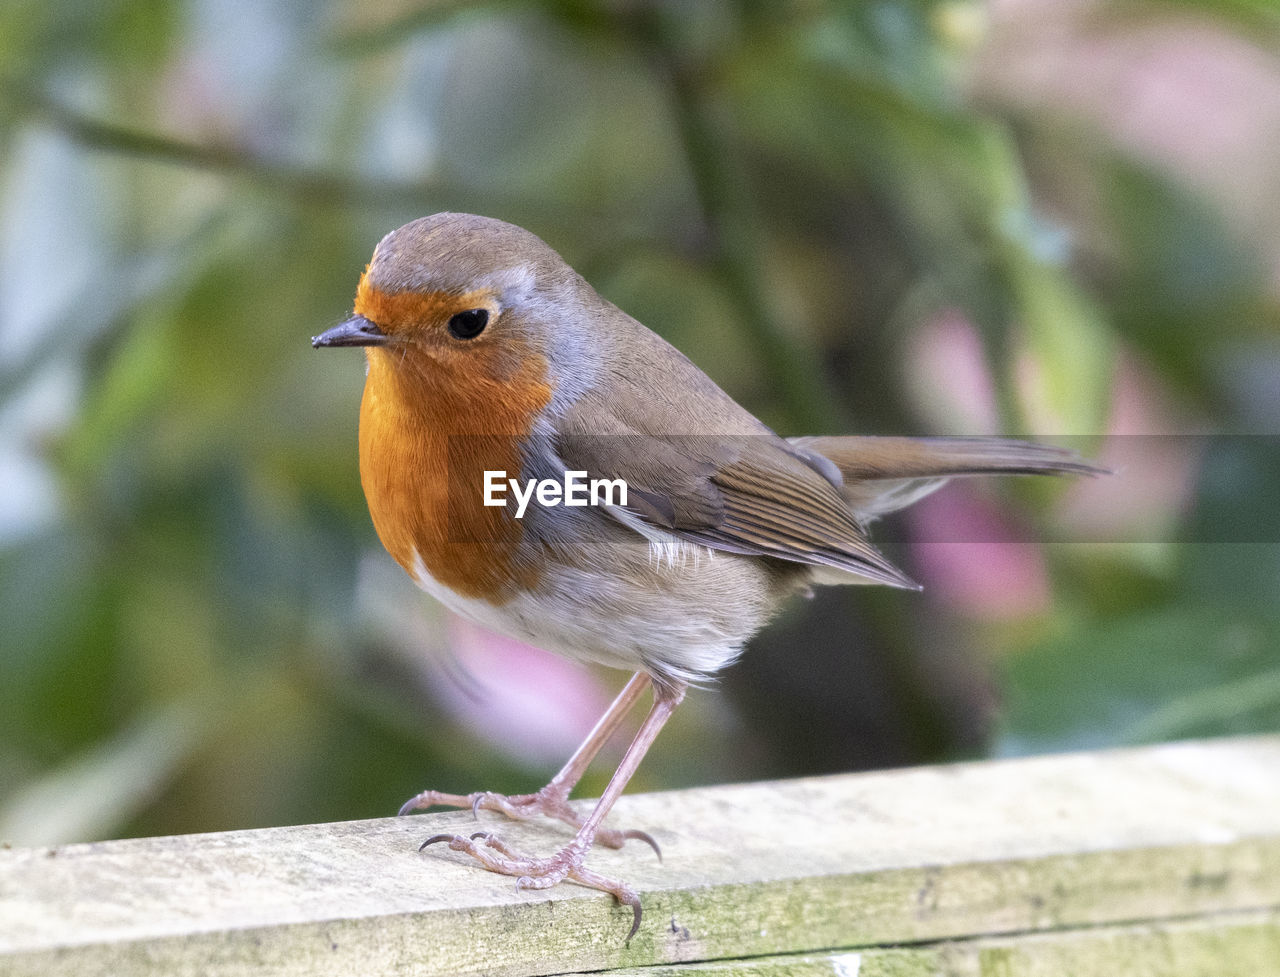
1151, 861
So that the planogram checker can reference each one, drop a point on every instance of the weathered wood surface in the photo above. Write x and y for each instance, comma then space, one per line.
1161, 860
1237, 945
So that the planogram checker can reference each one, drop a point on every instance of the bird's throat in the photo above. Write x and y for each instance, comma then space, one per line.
425, 443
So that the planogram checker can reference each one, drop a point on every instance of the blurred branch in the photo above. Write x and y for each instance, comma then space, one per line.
304, 182
792, 363
368, 39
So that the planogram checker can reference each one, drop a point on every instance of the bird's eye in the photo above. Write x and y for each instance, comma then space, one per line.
469, 324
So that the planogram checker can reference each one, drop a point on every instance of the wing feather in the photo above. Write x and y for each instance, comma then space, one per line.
752, 494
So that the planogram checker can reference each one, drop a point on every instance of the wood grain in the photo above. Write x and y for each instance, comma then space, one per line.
998, 867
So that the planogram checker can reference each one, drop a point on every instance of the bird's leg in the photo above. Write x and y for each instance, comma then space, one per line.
567, 863
553, 799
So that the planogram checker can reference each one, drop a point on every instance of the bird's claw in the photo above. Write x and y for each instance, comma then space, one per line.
435, 839
634, 903
542, 873
552, 804
635, 834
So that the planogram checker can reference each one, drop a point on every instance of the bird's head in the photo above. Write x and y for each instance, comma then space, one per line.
472, 301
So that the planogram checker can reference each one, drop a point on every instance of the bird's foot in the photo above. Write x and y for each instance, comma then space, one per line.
540, 873
548, 801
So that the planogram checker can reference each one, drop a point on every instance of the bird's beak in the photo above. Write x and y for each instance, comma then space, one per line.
356, 331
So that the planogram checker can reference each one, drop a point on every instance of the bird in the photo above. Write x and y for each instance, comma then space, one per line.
488, 355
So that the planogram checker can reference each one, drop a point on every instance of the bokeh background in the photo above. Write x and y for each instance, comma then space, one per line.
1040, 217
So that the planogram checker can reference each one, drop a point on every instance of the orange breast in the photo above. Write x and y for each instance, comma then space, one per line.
428, 432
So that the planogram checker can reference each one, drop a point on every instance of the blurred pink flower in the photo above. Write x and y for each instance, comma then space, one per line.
966, 551
530, 704
948, 379
1154, 452
962, 551
965, 555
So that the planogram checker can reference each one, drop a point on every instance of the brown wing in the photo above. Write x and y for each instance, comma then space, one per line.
750, 494
778, 504
734, 486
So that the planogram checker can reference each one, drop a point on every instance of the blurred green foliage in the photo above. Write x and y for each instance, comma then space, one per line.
195, 630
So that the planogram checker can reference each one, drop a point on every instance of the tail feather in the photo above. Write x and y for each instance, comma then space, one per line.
883, 475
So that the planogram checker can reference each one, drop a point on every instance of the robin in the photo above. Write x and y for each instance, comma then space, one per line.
493, 366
